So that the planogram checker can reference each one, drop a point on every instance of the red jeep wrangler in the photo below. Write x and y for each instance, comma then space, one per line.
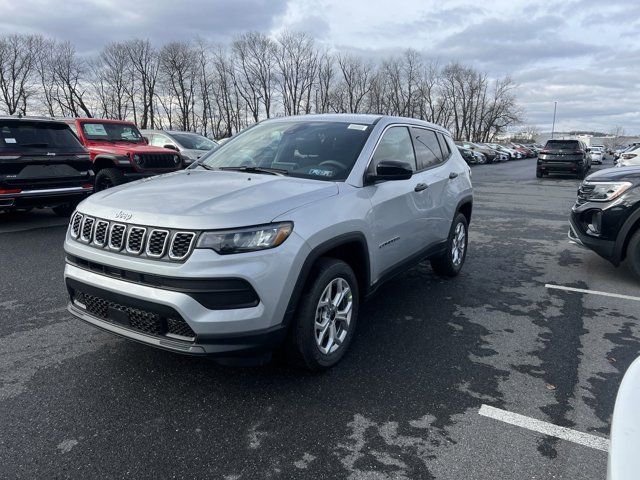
120, 153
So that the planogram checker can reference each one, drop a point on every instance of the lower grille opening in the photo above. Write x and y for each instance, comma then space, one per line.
140, 320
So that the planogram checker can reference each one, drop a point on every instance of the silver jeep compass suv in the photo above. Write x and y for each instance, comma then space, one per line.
272, 240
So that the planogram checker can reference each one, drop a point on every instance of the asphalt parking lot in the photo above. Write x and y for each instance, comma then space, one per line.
436, 369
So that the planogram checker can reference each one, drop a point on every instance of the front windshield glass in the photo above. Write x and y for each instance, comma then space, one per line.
193, 141
319, 150
112, 132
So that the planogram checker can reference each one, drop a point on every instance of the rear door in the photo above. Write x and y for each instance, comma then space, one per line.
432, 153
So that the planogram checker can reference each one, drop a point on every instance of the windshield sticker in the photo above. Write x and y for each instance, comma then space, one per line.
355, 126
95, 129
10, 140
321, 173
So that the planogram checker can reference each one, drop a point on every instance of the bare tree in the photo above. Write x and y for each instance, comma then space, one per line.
297, 63
69, 74
115, 82
356, 82
18, 63
144, 63
178, 71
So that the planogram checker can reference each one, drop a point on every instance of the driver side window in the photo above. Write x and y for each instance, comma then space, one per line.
160, 140
395, 145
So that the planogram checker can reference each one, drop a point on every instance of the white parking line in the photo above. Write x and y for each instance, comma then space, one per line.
592, 441
593, 292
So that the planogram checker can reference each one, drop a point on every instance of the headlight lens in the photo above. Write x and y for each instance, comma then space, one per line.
176, 159
138, 159
246, 239
606, 191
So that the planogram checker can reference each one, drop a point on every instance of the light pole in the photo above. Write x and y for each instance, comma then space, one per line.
553, 126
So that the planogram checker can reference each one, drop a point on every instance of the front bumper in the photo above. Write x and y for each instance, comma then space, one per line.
219, 331
577, 234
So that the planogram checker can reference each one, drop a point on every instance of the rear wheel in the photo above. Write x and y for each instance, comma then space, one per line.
326, 316
109, 177
633, 254
450, 262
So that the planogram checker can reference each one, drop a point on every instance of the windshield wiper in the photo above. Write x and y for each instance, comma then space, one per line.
270, 171
205, 166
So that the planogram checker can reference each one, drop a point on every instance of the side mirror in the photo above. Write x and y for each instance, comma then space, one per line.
391, 170
170, 147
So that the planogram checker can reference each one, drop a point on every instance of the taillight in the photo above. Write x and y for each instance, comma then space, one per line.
578, 152
5, 191
87, 186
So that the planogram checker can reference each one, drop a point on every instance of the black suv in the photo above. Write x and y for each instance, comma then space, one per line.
564, 156
42, 164
606, 216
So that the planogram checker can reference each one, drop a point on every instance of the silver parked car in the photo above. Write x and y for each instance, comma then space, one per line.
274, 238
191, 145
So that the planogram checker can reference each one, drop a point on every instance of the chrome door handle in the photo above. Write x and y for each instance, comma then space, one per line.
453, 175
420, 187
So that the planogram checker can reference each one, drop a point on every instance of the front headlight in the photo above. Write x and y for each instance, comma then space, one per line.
606, 191
138, 159
176, 159
246, 239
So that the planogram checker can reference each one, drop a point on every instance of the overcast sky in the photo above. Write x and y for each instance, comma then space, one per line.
585, 54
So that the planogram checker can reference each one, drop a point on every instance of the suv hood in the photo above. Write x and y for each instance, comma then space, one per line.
206, 200
628, 174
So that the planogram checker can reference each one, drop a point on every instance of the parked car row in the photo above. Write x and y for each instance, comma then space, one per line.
478, 153
56, 163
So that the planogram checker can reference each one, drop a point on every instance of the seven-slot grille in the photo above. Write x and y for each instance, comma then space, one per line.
133, 239
158, 160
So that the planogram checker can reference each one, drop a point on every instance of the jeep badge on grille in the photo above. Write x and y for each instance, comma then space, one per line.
123, 215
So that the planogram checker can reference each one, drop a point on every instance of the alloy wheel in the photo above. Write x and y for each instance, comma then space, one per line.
333, 316
459, 244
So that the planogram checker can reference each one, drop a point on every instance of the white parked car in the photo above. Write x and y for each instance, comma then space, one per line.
629, 158
597, 154
624, 461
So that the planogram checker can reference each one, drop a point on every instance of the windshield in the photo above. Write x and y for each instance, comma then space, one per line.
319, 150
112, 132
193, 141
562, 145
37, 135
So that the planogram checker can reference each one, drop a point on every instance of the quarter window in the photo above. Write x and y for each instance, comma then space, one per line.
427, 147
444, 146
395, 145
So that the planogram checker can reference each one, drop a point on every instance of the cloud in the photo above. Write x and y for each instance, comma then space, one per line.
89, 24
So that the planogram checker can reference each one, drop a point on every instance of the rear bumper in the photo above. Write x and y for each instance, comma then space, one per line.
48, 197
564, 166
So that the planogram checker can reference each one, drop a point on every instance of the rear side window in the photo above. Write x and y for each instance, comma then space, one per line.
395, 145
562, 145
37, 135
444, 146
428, 152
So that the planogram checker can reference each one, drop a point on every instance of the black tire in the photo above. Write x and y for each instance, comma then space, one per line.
539, 173
109, 177
633, 254
302, 347
444, 264
582, 173
65, 210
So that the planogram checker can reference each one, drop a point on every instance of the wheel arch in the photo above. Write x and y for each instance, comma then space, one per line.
104, 161
629, 227
465, 207
351, 248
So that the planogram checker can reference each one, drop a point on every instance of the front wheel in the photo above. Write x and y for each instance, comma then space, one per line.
107, 178
326, 316
449, 263
539, 173
633, 254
